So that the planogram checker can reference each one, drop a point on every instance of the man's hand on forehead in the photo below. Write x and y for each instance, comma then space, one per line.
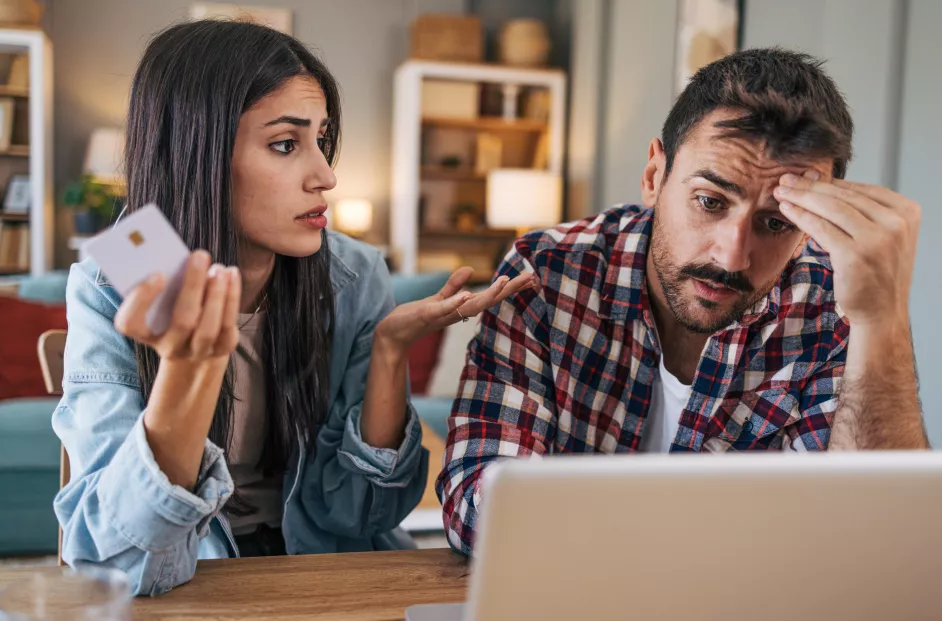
870, 233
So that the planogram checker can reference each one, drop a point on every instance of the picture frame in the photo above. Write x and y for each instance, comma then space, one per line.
18, 195
6, 123
707, 30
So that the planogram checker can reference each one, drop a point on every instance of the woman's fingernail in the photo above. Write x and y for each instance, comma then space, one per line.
813, 175
155, 279
200, 259
784, 206
214, 270
781, 190
789, 179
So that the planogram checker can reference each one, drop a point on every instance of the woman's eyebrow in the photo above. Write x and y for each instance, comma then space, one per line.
291, 120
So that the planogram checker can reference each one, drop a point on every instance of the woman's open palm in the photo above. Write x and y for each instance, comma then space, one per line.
409, 322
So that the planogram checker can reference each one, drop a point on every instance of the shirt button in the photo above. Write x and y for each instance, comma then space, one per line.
647, 361
747, 426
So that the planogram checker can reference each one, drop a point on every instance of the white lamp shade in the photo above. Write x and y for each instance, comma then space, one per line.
523, 198
353, 216
104, 158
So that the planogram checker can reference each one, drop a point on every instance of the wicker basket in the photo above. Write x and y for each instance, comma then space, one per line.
20, 12
456, 38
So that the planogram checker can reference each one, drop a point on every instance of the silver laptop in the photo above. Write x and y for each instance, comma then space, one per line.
735, 538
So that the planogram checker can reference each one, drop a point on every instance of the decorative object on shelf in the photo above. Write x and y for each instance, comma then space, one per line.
541, 152
492, 100
19, 72
447, 99
279, 19
104, 157
17, 196
536, 104
523, 199
20, 12
95, 204
353, 216
524, 43
6, 123
451, 162
707, 30
456, 38
467, 217
511, 101
487, 154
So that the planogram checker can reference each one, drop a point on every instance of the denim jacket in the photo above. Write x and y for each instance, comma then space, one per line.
121, 511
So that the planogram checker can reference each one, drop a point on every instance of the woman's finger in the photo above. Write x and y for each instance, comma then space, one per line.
518, 284
203, 341
131, 318
458, 279
189, 304
485, 299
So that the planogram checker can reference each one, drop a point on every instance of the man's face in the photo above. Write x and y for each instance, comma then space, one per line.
719, 242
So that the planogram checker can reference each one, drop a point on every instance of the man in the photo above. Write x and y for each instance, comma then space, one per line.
718, 316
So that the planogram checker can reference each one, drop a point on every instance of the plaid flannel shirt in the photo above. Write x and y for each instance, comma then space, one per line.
569, 369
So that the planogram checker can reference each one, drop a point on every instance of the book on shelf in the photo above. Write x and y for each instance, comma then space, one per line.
14, 247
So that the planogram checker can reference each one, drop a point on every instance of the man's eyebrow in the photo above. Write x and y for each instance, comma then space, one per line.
717, 180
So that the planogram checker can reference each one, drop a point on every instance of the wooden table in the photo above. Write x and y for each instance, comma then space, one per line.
375, 586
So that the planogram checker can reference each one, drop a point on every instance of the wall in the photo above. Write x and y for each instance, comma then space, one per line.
919, 168
862, 54
97, 44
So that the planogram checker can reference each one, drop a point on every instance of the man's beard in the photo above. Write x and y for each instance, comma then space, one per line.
672, 279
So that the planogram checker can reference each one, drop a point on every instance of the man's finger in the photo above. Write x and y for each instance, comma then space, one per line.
874, 210
829, 207
902, 207
829, 236
458, 279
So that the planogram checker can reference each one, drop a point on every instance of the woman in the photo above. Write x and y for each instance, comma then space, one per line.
272, 417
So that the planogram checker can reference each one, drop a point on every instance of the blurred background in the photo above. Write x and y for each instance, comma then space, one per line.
466, 122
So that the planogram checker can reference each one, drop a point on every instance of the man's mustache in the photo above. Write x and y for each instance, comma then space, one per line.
736, 281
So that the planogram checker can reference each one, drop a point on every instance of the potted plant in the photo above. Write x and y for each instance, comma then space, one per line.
94, 204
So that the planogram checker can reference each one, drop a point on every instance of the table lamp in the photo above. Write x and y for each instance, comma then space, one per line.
104, 158
353, 216
523, 199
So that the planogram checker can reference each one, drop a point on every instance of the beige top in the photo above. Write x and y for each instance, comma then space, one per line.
249, 427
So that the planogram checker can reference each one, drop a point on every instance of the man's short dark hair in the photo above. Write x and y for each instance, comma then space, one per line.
787, 102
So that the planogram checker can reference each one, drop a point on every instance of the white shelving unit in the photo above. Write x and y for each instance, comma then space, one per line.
36, 44
407, 136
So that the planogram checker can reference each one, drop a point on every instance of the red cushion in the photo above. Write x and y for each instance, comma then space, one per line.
21, 323
423, 358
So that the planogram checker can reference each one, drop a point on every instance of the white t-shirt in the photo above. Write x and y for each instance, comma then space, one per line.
668, 398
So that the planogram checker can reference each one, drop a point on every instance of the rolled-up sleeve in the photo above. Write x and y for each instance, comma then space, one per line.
119, 509
352, 489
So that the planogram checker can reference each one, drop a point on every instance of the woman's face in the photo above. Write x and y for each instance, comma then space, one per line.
280, 173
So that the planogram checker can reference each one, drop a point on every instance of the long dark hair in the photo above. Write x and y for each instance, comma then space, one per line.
193, 84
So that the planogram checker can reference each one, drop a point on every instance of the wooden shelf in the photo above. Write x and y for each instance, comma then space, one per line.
13, 217
13, 271
10, 91
487, 123
442, 173
482, 234
16, 150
